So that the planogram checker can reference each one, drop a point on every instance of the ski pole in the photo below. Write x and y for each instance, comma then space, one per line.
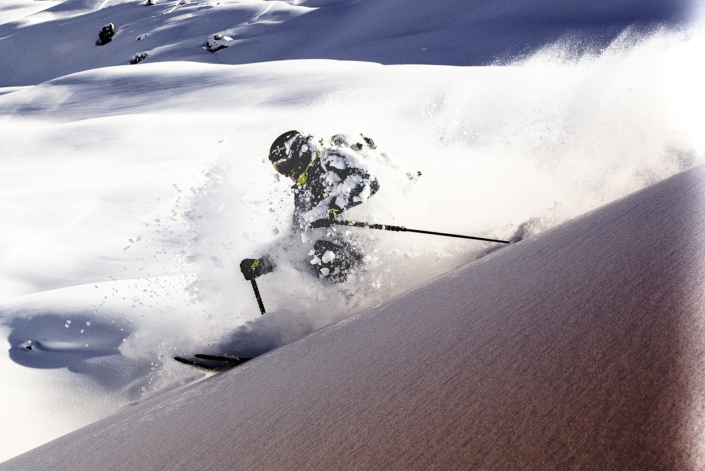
259, 298
386, 227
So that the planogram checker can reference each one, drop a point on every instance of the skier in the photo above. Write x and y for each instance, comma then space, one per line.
329, 178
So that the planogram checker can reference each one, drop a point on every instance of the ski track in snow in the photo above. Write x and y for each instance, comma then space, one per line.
131, 192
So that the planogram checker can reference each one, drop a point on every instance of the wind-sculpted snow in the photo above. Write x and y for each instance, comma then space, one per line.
130, 193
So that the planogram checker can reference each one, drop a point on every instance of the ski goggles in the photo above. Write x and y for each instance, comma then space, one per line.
284, 166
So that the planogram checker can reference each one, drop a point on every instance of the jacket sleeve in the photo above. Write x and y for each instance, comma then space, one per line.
354, 190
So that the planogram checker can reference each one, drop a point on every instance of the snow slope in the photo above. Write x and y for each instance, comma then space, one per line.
580, 348
61, 39
130, 193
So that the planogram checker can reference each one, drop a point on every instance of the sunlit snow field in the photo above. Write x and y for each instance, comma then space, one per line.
129, 194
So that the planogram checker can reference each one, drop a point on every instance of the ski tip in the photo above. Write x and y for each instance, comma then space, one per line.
198, 365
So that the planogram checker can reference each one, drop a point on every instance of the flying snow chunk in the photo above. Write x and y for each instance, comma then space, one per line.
217, 42
329, 256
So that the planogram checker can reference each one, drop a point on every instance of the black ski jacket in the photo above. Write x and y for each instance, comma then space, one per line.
334, 181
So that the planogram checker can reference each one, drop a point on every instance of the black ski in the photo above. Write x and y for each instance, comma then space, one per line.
212, 362
234, 360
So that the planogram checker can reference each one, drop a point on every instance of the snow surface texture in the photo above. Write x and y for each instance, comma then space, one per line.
578, 349
130, 194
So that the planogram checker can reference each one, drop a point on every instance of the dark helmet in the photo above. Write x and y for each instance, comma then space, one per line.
291, 153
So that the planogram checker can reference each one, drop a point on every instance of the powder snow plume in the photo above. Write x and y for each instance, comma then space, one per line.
500, 152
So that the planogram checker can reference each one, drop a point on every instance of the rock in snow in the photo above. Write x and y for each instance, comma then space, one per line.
217, 42
139, 57
106, 33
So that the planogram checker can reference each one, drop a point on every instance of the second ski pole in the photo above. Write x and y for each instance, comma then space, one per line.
251, 268
259, 298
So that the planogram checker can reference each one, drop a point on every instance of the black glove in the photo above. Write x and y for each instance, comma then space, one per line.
252, 268
326, 221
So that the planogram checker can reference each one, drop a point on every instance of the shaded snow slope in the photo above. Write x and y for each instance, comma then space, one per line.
62, 39
580, 348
